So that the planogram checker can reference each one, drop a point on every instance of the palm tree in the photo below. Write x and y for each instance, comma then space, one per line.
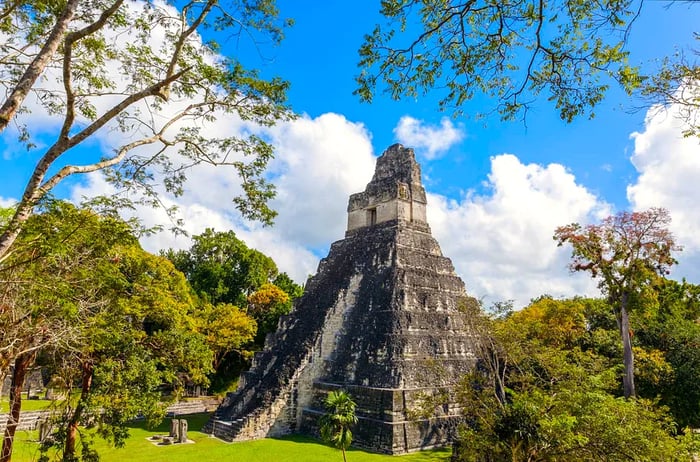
336, 422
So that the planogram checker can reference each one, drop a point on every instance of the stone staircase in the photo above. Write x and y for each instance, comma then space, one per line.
266, 401
273, 419
379, 319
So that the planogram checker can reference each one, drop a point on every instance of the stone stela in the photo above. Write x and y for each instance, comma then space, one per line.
178, 430
380, 320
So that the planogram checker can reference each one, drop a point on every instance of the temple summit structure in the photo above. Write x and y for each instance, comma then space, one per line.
380, 320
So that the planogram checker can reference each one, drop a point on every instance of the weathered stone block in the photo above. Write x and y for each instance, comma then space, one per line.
380, 319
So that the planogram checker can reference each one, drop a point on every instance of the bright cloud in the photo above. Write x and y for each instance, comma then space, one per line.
318, 164
669, 172
430, 141
7, 202
501, 243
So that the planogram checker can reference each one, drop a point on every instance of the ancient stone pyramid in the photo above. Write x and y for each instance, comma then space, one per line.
380, 320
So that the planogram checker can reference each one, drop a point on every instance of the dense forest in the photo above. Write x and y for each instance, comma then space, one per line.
125, 331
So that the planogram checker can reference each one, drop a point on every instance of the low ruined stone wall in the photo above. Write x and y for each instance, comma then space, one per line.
29, 420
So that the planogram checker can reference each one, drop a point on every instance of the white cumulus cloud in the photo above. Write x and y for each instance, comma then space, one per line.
669, 174
7, 202
429, 141
501, 243
318, 164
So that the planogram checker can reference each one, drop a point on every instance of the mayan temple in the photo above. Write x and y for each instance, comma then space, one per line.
380, 320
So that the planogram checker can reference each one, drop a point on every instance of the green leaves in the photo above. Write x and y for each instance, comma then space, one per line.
227, 328
104, 313
561, 393
676, 83
241, 294
222, 269
144, 69
513, 52
336, 424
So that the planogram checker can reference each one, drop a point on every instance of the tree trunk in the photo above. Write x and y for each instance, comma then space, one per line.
72, 432
627, 353
22, 364
36, 67
344, 459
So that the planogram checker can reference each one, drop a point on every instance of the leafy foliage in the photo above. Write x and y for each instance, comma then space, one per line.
105, 315
671, 333
227, 328
141, 339
240, 302
560, 400
677, 83
568, 50
222, 269
144, 70
627, 253
51, 276
266, 305
336, 424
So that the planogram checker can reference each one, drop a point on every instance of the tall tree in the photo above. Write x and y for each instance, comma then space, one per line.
235, 284
222, 269
227, 328
561, 398
140, 339
42, 282
143, 69
103, 313
670, 331
336, 424
46, 285
627, 252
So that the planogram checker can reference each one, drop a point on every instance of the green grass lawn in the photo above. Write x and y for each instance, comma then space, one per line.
27, 404
294, 448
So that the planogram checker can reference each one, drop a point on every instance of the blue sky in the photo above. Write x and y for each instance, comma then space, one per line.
497, 190
319, 57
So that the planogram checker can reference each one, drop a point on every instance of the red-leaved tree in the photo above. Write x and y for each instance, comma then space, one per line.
626, 252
